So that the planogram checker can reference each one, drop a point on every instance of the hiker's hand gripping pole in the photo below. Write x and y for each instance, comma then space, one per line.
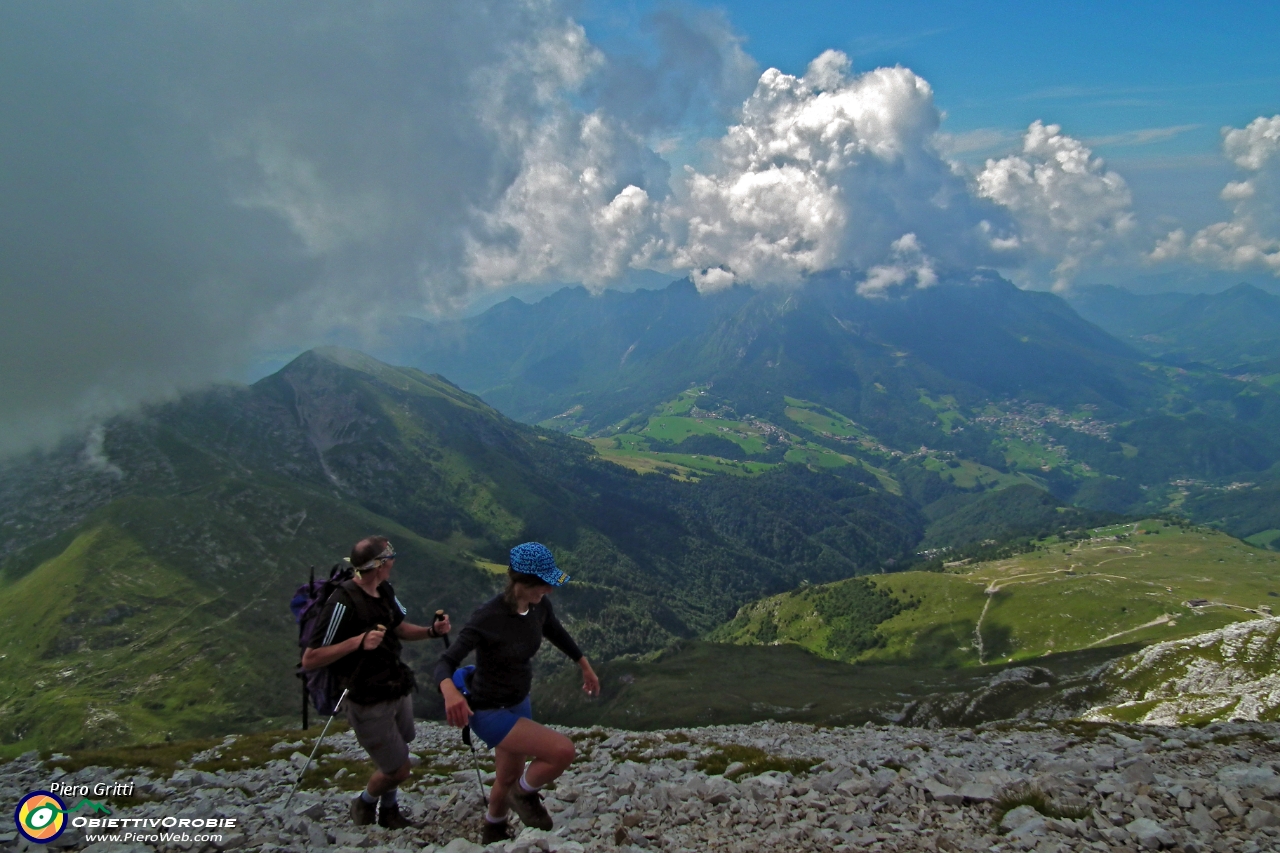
441, 616
373, 638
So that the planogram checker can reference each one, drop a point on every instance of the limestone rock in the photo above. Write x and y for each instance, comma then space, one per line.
1150, 834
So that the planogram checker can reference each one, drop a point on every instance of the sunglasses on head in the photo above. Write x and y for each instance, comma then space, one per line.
385, 557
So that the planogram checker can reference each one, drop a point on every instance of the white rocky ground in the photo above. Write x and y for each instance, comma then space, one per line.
1228, 673
875, 789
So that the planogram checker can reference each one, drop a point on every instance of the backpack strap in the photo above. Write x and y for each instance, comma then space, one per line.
353, 597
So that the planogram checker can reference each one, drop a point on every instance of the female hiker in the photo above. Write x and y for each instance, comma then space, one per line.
364, 626
505, 634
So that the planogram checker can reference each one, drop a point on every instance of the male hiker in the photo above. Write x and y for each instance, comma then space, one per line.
359, 636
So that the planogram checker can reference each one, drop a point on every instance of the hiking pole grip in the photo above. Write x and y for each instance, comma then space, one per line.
440, 618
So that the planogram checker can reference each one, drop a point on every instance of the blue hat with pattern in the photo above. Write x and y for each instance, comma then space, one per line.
534, 559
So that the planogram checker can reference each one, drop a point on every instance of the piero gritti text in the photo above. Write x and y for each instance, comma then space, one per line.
98, 789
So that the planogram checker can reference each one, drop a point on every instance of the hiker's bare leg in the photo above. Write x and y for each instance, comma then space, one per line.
552, 752
507, 767
380, 783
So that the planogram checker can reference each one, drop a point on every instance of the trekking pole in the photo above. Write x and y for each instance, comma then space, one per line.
475, 760
466, 730
325, 730
314, 749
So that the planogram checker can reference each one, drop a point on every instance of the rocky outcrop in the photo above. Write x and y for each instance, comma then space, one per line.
1232, 673
767, 786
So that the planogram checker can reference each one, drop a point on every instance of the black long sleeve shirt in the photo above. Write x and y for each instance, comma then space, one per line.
504, 642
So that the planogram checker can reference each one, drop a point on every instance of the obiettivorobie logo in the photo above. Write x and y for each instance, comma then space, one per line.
41, 816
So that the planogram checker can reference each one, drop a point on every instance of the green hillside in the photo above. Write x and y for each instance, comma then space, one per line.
166, 617
976, 381
1123, 585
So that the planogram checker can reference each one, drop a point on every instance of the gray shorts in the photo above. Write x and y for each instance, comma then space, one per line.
385, 730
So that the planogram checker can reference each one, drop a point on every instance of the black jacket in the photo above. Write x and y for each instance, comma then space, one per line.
504, 642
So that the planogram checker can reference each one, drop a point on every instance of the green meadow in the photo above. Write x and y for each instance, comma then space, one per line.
1124, 585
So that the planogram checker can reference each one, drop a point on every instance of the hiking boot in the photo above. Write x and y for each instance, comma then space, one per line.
529, 807
494, 832
389, 817
362, 813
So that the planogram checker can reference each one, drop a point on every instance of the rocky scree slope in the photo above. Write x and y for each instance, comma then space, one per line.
766, 786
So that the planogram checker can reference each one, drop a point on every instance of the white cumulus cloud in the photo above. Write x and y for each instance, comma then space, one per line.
1251, 238
1068, 205
909, 262
824, 170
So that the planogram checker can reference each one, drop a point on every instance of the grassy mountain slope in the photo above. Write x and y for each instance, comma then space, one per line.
1126, 584
164, 616
1017, 511
169, 543
707, 683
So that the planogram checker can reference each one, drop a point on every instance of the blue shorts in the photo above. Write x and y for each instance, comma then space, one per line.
496, 723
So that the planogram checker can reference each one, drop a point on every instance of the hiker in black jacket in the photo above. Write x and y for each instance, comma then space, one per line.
363, 626
493, 697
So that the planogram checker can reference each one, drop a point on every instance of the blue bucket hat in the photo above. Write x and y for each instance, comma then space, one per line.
534, 559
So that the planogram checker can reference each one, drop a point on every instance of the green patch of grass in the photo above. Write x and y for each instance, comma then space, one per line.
1030, 794
702, 683
822, 420
1265, 539
681, 466
244, 751
162, 757
757, 761
965, 474
230, 753
946, 409
677, 429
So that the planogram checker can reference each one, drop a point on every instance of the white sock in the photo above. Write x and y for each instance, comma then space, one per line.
491, 819
524, 783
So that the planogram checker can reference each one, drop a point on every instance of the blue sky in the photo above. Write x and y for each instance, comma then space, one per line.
1102, 69
1147, 85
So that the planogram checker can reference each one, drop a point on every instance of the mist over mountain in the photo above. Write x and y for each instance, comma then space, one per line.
1234, 327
